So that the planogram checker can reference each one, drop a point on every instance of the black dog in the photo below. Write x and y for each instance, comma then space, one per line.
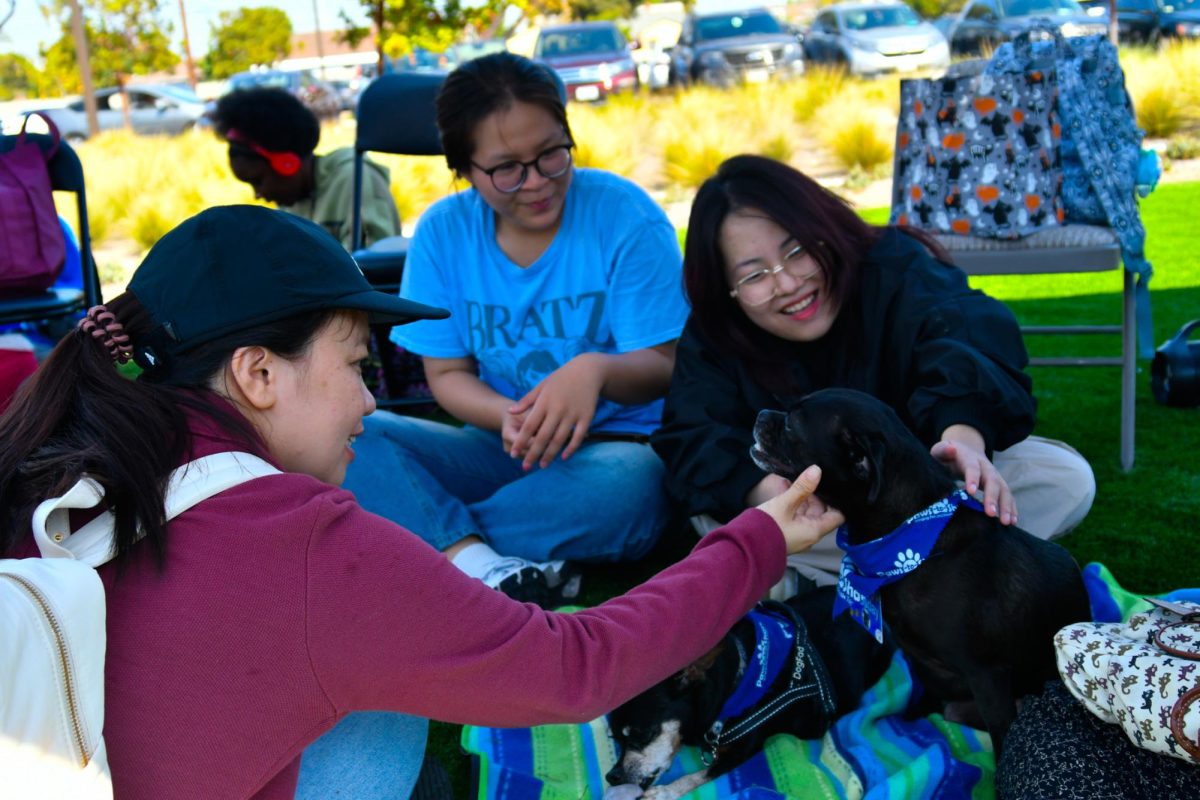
977, 618
681, 710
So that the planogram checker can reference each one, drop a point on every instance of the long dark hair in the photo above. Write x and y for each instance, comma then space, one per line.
485, 85
821, 222
78, 415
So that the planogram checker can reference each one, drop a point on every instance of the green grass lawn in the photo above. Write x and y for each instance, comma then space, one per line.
1142, 525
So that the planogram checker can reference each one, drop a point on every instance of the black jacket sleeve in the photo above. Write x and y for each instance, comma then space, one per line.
963, 352
707, 430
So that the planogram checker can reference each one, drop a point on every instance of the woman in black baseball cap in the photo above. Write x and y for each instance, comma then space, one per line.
243, 629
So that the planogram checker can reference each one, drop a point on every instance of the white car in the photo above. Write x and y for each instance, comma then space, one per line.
152, 109
873, 38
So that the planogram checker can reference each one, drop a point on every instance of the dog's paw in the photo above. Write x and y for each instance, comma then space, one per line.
677, 789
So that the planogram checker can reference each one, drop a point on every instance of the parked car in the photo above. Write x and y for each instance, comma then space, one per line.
463, 52
320, 98
983, 24
871, 38
592, 58
420, 60
724, 48
153, 108
347, 96
1151, 21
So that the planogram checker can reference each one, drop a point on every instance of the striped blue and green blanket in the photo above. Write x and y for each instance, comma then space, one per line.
872, 753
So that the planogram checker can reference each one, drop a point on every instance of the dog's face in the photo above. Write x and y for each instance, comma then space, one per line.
834, 429
860, 444
650, 727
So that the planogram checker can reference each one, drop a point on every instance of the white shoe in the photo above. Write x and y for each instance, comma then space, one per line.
545, 583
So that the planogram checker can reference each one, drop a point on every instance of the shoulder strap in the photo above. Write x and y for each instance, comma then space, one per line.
188, 485
52, 129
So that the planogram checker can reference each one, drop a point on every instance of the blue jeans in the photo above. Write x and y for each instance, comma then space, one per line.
605, 503
373, 755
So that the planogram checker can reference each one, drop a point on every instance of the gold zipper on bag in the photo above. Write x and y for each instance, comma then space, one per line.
64, 661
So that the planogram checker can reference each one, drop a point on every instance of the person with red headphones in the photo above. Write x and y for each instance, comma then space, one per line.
272, 136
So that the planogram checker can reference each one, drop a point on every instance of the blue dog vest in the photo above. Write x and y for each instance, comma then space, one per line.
780, 636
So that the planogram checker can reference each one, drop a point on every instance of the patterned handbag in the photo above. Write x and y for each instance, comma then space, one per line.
1101, 146
1140, 675
979, 155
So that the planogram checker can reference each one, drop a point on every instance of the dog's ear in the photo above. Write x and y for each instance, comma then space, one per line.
865, 453
697, 671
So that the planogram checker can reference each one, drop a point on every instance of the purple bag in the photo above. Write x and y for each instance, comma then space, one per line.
32, 248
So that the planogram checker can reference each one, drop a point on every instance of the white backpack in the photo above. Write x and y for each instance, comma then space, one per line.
52, 637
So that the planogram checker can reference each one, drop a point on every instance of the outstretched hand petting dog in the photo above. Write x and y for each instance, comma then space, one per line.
803, 518
962, 450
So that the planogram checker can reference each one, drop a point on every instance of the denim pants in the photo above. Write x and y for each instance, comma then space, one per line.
369, 755
606, 503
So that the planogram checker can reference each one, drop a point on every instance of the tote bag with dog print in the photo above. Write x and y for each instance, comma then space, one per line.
978, 155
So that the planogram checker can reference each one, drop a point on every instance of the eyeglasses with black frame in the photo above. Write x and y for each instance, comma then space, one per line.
510, 176
762, 285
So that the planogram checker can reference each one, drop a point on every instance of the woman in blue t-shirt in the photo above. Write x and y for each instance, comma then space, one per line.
566, 299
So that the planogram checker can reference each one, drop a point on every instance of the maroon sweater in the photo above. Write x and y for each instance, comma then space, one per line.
284, 606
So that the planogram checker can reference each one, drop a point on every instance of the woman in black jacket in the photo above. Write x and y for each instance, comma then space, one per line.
792, 292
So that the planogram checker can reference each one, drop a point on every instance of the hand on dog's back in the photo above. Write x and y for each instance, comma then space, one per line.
803, 519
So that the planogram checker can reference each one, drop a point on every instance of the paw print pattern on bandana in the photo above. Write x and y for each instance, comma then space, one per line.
908, 560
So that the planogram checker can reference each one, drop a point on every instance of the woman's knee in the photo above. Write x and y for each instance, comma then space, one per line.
635, 500
1053, 484
369, 754
610, 500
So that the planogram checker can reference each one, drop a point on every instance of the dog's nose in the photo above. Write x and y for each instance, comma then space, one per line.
616, 776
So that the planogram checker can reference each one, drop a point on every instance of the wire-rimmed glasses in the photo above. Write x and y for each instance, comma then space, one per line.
762, 285
510, 176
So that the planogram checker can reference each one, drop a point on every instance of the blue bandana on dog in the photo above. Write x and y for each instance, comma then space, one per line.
774, 637
868, 567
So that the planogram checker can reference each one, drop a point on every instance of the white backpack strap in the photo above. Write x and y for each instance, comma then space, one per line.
188, 485
199, 480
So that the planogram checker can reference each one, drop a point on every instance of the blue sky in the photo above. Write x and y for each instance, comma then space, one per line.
28, 30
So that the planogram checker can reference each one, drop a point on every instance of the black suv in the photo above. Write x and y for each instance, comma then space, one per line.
982, 25
722, 49
1149, 21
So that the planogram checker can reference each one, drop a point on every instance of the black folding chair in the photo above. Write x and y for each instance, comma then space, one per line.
57, 304
395, 115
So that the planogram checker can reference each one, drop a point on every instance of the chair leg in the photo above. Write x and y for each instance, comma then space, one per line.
393, 382
1128, 372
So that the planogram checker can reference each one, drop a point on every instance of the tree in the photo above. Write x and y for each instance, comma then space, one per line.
601, 9
401, 26
62, 69
247, 37
18, 76
932, 9
124, 37
130, 38
530, 9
